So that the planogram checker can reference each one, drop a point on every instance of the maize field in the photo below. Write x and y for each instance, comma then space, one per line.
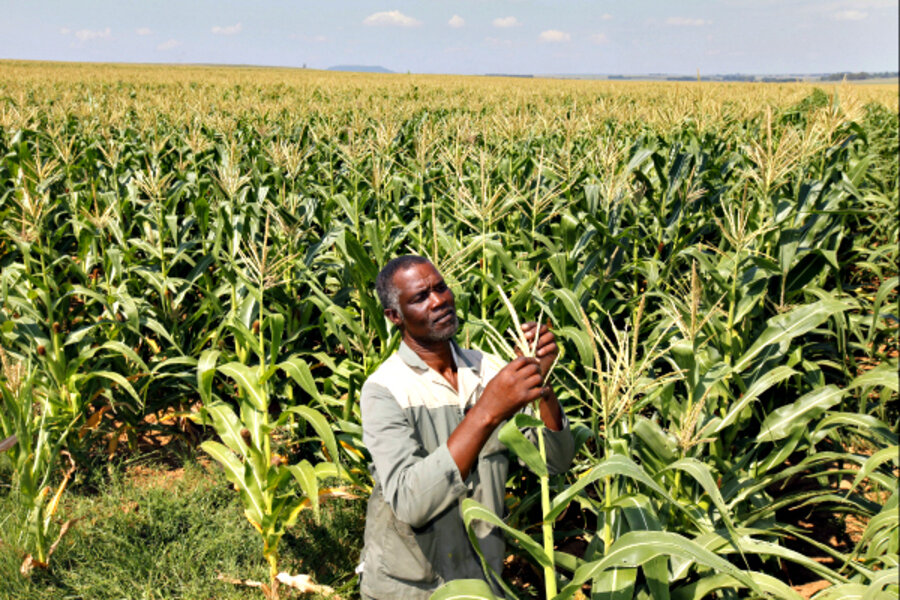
191, 251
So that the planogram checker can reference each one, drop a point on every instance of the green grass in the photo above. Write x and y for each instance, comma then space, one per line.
148, 531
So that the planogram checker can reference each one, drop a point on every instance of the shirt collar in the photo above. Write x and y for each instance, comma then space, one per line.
467, 372
410, 357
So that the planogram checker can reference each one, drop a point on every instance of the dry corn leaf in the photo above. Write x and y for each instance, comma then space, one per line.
92, 421
305, 584
326, 493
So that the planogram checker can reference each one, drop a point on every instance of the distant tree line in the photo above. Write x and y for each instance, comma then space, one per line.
859, 76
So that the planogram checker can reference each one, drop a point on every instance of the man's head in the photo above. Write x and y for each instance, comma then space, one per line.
417, 300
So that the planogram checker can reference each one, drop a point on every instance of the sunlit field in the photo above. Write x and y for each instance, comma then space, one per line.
188, 259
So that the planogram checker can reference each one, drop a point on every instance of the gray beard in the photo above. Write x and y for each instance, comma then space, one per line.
445, 335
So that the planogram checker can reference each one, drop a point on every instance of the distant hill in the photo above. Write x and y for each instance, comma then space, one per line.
360, 68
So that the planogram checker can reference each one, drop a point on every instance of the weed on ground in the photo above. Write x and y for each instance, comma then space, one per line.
153, 531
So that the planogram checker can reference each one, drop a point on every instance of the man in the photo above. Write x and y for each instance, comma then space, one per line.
431, 414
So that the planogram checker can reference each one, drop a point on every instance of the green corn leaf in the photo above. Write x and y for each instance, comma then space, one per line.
865, 425
884, 290
513, 438
464, 589
614, 465
873, 462
299, 371
76, 335
616, 583
227, 426
248, 381
637, 547
206, 370
321, 427
784, 328
125, 351
255, 422
640, 154
703, 588
157, 328
258, 473
566, 562
780, 453
472, 510
884, 375
234, 471
244, 336
641, 517
582, 341
784, 421
702, 474
120, 381
885, 521
639, 512
305, 475
843, 591
763, 383
571, 304
764, 548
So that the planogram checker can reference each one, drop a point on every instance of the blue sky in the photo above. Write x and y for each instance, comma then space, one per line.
466, 36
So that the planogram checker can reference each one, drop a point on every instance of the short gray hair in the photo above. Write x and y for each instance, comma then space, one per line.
388, 293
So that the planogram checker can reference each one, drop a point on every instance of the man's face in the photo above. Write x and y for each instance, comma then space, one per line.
427, 307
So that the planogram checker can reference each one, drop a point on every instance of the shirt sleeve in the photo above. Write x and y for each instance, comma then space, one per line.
560, 447
417, 485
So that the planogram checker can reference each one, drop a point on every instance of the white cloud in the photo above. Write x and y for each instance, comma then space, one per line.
143, 31
599, 38
168, 45
65, 30
86, 35
391, 17
686, 22
606, 17
456, 21
849, 15
504, 22
227, 30
554, 35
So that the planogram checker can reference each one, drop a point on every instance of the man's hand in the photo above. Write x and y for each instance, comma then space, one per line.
517, 384
547, 350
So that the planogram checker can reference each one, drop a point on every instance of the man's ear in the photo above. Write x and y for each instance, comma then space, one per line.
393, 316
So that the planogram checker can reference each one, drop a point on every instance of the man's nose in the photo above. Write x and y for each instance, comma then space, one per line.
440, 298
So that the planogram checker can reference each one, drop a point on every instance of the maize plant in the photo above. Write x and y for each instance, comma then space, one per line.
272, 491
35, 448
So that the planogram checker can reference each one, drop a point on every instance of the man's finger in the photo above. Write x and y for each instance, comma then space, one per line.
534, 381
535, 393
546, 338
522, 362
529, 370
546, 350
